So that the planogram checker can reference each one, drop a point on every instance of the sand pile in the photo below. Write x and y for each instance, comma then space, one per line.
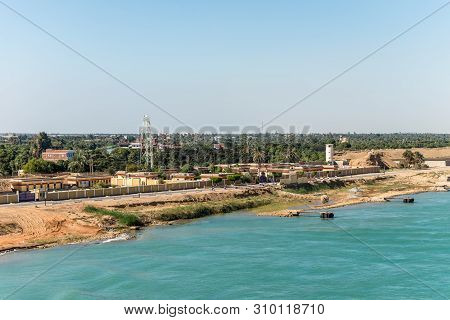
389, 155
372, 158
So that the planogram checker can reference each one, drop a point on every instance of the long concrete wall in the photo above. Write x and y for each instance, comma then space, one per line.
330, 174
437, 164
116, 191
9, 198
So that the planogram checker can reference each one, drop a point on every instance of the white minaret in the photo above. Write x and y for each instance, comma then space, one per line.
329, 153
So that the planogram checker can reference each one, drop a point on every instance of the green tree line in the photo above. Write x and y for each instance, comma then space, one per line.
109, 153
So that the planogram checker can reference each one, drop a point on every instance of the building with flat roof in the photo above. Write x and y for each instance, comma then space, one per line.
134, 179
180, 176
55, 155
221, 175
45, 183
36, 183
202, 169
86, 181
437, 162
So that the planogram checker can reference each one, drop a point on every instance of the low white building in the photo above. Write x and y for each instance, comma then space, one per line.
438, 162
135, 145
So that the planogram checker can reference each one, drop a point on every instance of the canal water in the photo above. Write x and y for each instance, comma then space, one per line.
370, 251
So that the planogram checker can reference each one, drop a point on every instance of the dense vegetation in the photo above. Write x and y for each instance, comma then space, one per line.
200, 210
109, 153
126, 219
304, 188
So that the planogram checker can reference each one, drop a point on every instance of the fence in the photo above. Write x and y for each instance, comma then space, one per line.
9, 198
118, 191
114, 191
295, 178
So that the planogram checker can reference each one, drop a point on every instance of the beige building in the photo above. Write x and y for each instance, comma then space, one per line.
54, 155
86, 181
182, 176
221, 175
37, 183
201, 169
134, 179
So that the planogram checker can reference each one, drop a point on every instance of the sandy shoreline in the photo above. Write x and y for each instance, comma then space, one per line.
400, 183
34, 227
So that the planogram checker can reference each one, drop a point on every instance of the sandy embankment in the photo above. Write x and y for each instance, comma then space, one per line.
374, 189
34, 226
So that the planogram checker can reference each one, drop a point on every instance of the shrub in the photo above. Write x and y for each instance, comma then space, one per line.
216, 179
234, 177
101, 185
303, 188
246, 178
206, 209
127, 219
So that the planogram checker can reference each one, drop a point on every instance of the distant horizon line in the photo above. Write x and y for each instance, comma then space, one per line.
218, 133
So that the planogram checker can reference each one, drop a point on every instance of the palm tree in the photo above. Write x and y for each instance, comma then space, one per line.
409, 157
40, 142
78, 163
290, 155
418, 158
258, 157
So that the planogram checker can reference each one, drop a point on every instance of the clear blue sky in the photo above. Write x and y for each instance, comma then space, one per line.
224, 63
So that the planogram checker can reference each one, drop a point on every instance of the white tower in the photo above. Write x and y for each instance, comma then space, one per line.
145, 133
329, 153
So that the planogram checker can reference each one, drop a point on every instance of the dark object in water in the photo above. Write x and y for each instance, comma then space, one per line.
404, 200
326, 215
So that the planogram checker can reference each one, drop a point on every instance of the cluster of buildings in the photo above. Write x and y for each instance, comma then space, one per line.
257, 172
51, 183
263, 172
267, 171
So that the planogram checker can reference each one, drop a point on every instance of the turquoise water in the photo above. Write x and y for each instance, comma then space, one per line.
242, 256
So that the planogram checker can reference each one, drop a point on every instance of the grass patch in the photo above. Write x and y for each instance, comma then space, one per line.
127, 219
387, 187
205, 209
305, 188
280, 204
